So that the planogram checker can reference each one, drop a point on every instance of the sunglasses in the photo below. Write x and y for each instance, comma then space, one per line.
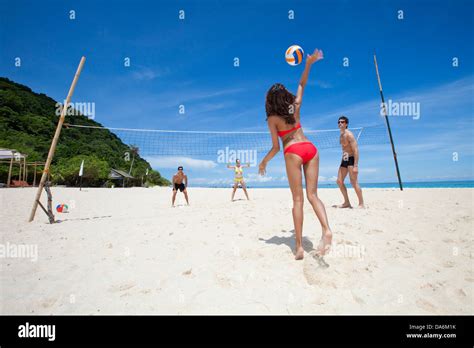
277, 88
341, 122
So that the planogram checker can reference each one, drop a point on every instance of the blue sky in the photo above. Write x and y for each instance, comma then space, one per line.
190, 62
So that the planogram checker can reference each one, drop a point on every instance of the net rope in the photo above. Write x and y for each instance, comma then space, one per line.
155, 142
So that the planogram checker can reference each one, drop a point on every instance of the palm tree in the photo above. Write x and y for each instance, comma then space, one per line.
134, 150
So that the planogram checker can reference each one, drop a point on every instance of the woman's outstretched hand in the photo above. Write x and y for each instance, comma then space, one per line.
262, 168
313, 58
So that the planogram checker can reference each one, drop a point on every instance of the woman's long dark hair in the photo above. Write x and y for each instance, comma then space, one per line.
280, 102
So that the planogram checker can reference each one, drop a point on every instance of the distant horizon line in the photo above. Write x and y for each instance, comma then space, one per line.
396, 182
408, 184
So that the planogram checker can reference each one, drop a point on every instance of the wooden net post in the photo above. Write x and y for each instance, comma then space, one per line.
10, 172
19, 170
34, 175
25, 172
55, 140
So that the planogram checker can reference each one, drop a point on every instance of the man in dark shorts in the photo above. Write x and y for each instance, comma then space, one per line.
180, 182
349, 163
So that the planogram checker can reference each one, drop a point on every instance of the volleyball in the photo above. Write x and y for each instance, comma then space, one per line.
294, 55
62, 208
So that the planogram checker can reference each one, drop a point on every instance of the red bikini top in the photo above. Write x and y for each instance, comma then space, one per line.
285, 132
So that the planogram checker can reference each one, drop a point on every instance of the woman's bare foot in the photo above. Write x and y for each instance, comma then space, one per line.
343, 205
299, 255
325, 243
361, 206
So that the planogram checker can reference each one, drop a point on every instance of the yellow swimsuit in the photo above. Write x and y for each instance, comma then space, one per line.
237, 171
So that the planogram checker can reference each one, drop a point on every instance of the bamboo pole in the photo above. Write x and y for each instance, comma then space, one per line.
24, 168
34, 176
19, 172
55, 140
10, 172
388, 124
26, 172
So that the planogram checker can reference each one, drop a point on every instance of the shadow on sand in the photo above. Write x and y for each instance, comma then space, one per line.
290, 242
88, 218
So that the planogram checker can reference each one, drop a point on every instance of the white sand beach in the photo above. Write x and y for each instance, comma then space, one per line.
126, 251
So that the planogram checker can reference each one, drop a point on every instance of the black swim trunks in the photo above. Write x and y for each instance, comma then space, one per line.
349, 162
181, 187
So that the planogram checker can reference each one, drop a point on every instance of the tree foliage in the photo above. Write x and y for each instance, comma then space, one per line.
27, 124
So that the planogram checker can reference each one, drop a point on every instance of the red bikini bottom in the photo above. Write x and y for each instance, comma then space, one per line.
306, 150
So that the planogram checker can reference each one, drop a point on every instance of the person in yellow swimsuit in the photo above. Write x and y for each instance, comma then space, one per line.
238, 178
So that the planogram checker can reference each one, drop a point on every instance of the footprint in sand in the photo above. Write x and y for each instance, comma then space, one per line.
464, 218
48, 302
367, 268
321, 300
347, 242
121, 287
188, 272
426, 305
358, 299
375, 231
223, 281
434, 286
449, 264
315, 271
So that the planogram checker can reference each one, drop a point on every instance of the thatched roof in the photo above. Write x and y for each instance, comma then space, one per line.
119, 174
10, 153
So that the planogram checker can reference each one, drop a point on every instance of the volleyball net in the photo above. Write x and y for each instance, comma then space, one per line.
153, 142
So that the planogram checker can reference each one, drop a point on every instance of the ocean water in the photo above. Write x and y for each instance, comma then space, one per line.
407, 185
426, 184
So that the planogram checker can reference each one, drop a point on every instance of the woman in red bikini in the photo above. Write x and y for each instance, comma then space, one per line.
283, 118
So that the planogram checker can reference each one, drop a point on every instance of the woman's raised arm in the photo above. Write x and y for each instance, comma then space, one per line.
310, 60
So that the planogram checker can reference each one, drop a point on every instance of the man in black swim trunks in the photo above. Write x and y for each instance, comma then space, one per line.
180, 182
349, 163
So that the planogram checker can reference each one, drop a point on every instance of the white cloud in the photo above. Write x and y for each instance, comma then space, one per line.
367, 170
197, 94
326, 179
252, 177
145, 73
219, 182
258, 178
436, 101
320, 84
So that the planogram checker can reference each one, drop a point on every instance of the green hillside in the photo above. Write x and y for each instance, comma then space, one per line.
27, 124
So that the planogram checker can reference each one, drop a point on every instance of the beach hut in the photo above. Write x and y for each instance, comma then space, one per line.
117, 174
9, 156
12, 156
